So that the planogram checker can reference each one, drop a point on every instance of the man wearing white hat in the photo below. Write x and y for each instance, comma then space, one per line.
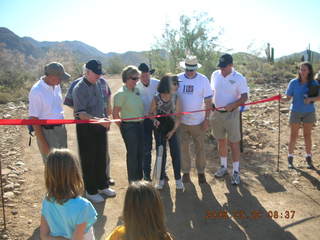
195, 94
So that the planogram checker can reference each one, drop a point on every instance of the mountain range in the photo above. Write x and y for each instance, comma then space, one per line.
82, 51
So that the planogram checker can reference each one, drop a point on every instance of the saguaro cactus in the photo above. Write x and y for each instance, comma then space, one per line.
269, 53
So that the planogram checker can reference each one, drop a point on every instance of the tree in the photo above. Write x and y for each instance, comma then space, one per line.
194, 36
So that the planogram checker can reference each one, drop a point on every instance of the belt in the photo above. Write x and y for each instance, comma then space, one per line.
51, 126
140, 122
222, 111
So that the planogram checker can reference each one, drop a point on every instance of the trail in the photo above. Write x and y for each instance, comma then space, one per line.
262, 190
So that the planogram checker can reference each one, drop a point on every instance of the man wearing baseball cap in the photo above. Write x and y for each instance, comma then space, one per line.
230, 90
45, 102
195, 94
88, 104
148, 88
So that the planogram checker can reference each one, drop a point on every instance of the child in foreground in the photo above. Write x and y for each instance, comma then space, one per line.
65, 214
143, 215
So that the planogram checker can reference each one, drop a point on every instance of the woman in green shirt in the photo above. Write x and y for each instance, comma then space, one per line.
129, 106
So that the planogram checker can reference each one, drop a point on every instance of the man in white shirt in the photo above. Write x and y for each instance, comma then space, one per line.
195, 94
230, 90
148, 89
45, 102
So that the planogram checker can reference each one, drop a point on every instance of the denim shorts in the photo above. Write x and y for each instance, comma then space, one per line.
300, 117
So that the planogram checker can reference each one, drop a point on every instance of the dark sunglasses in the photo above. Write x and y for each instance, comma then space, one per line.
175, 83
189, 70
134, 78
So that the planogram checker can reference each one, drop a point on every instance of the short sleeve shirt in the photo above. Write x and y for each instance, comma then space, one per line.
297, 91
45, 102
89, 98
130, 103
227, 90
63, 219
192, 93
147, 93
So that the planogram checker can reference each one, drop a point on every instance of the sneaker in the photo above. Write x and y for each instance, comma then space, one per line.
309, 162
96, 198
235, 179
160, 185
186, 178
179, 184
202, 178
290, 162
109, 192
222, 171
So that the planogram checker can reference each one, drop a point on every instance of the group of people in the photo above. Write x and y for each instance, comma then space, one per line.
175, 110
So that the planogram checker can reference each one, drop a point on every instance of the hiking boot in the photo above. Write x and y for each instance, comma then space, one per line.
222, 171
202, 178
290, 162
309, 162
235, 179
186, 178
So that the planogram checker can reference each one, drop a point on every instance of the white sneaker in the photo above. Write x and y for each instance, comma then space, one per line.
96, 198
160, 185
179, 184
109, 192
221, 172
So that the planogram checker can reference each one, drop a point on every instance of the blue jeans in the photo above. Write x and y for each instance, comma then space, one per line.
149, 133
132, 134
174, 152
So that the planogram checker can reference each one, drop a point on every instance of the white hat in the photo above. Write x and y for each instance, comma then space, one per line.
190, 63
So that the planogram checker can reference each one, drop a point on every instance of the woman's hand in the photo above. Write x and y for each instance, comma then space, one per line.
308, 100
285, 98
156, 123
170, 134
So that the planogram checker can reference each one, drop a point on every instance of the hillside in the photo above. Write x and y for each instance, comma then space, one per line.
82, 52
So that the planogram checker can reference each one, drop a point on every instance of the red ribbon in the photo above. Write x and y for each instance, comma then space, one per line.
73, 121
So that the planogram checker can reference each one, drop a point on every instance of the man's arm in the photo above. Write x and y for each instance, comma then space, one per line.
238, 103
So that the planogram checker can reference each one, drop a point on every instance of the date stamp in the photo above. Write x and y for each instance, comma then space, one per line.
254, 215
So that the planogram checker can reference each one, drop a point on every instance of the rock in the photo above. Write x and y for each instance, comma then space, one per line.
6, 116
12, 175
284, 110
14, 212
8, 187
16, 185
17, 192
29, 221
295, 182
8, 195
20, 163
21, 181
6, 171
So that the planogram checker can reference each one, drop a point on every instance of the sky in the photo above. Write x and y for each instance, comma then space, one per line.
120, 26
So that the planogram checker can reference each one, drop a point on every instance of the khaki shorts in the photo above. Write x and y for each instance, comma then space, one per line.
299, 117
226, 125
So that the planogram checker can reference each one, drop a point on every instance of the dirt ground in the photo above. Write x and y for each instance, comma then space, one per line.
290, 197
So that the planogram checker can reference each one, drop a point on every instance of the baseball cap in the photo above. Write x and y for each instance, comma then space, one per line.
225, 60
56, 69
95, 66
143, 67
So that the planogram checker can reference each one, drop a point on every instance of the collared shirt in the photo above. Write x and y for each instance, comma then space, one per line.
88, 97
45, 101
227, 90
147, 93
130, 103
192, 93
68, 100
297, 91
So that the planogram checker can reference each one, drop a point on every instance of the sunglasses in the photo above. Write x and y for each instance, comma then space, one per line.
175, 84
134, 78
189, 70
